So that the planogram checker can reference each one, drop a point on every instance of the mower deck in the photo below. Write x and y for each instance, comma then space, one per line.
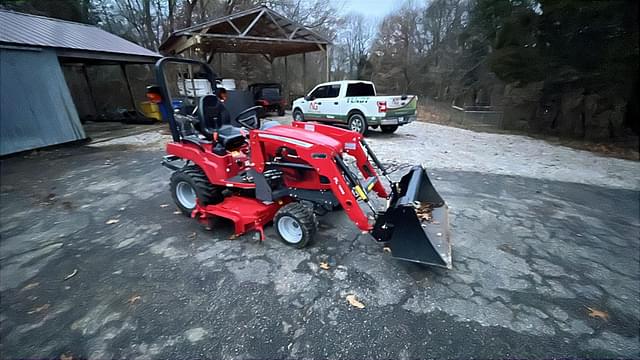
246, 213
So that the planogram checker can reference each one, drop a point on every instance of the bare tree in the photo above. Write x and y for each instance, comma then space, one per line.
356, 36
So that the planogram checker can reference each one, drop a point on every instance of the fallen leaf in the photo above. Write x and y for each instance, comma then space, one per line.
193, 235
112, 221
595, 313
164, 205
506, 248
233, 237
177, 212
324, 265
39, 309
66, 357
30, 286
423, 211
75, 271
386, 249
354, 302
132, 300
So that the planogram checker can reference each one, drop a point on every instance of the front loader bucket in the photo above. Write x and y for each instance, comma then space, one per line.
416, 224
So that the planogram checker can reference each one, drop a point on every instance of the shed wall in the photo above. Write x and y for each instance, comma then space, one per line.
36, 106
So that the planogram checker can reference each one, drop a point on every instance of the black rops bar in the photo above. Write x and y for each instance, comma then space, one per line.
164, 88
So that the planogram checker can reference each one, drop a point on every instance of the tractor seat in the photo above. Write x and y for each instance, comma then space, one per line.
230, 136
215, 118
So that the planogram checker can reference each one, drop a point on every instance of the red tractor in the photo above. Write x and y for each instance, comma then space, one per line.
288, 175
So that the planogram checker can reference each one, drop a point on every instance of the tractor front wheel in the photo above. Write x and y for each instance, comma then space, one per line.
190, 185
295, 224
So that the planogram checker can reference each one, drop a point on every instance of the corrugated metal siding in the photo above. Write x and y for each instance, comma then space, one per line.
36, 108
18, 28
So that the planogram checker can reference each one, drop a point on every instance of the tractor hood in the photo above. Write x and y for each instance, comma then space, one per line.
300, 137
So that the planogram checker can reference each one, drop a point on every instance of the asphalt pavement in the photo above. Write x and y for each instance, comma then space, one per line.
95, 263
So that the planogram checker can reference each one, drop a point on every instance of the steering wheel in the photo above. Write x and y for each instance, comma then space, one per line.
251, 121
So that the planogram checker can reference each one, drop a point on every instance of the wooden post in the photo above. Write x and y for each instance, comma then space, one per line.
93, 99
327, 61
126, 80
273, 68
286, 77
304, 72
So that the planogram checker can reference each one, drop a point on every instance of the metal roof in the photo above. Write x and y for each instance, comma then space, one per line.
72, 39
259, 30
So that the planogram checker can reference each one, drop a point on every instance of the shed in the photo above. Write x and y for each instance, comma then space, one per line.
37, 107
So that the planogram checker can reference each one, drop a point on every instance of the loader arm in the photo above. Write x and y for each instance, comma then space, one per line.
352, 143
415, 222
323, 154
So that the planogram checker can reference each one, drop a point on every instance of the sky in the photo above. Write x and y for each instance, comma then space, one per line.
369, 8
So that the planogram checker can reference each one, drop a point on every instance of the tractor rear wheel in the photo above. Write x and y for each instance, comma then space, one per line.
190, 185
388, 129
295, 224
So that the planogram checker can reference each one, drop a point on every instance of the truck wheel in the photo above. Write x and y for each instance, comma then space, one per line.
280, 111
298, 115
358, 123
388, 129
295, 224
189, 185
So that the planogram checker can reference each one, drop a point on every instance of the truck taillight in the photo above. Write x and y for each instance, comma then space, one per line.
382, 106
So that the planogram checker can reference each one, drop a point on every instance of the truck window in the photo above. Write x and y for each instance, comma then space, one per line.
270, 92
334, 91
320, 92
360, 89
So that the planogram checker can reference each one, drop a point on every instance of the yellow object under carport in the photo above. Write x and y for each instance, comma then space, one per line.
150, 110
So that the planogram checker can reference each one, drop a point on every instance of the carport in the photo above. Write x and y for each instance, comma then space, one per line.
56, 73
259, 30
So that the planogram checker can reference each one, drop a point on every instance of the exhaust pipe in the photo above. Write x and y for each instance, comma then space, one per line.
415, 226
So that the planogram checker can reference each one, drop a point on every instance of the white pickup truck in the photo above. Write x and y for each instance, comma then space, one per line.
355, 104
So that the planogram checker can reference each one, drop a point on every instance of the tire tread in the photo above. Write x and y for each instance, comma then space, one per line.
305, 216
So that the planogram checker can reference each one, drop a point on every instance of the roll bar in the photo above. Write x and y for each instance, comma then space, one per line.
164, 88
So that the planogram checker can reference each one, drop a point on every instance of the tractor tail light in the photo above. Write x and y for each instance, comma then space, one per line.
382, 106
154, 94
154, 97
